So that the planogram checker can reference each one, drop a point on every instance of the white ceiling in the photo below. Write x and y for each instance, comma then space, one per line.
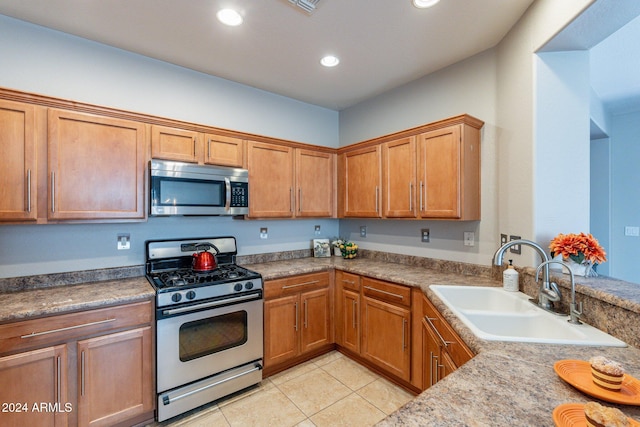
382, 44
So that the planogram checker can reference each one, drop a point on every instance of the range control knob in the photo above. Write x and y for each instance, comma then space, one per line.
191, 294
248, 285
176, 297
237, 287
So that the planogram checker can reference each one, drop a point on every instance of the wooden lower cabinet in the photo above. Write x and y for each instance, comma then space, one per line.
386, 336
348, 311
297, 318
30, 380
115, 377
443, 351
84, 372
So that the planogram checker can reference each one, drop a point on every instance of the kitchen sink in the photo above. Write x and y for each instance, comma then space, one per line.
497, 315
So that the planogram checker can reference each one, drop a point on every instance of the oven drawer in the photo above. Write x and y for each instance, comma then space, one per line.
45, 331
293, 285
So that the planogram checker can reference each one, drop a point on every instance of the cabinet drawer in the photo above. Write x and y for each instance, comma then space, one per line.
57, 329
455, 347
295, 284
348, 280
384, 291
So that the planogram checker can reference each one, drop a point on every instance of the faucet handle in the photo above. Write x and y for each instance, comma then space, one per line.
575, 312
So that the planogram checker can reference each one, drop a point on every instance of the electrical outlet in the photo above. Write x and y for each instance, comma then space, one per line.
632, 231
363, 231
424, 235
124, 242
503, 239
469, 238
316, 230
264, 233
515, 249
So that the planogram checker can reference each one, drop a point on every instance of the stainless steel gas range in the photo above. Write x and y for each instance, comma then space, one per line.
209, 329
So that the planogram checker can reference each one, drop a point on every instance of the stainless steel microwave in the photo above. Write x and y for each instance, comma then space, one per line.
178, 188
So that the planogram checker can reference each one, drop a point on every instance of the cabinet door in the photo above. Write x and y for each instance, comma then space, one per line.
361, 171
439, 177
430, 356
96, 167
18, 175
350, 320
271, 177
386, 336
174, 144
315, 318
399, 171
30, 380
314, 179
224, 151
115, 377
281, 324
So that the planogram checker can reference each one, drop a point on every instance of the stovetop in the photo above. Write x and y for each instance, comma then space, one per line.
169, 271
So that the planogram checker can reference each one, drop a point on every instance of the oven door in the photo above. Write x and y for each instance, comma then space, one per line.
194, 342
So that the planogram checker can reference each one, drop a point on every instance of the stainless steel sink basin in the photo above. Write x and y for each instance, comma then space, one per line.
497, 315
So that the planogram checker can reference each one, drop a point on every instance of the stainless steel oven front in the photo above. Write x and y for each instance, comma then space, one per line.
207, 350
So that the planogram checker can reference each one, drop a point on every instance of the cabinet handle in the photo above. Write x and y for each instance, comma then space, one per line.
208, 148
301, 284
53, 331
421, 189
438, 366
53, 191
410, 196
82, 373
404, 328
59, 379
384, 292
299, 199
353, 313
291, 199
429, 321
431, 365
351, 282
306, 314
29, 190
376, 198
295, 325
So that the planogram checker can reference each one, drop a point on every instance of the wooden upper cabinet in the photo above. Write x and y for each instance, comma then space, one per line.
271, 180
449, 173
175, 144
315, 173
362, 182
96, 167
18, 174
399, 178
224, 151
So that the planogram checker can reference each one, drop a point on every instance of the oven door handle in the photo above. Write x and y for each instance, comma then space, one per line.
210, 304
167, 400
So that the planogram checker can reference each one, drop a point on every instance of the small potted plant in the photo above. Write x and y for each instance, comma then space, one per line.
580, 251
335, 244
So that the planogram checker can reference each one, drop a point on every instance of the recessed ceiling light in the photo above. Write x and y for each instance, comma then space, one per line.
229, 17
330, 61
421, 4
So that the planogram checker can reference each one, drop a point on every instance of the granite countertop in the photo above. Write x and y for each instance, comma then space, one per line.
505, 384
47, 301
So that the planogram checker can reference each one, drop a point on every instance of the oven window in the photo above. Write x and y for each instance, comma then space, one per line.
211, 335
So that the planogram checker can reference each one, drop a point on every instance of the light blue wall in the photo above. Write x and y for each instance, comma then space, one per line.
625, 195
600, 216
38, 60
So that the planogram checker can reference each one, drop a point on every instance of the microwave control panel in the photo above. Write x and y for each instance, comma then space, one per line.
239, 194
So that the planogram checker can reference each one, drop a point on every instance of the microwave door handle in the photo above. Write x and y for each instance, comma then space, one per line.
227, 184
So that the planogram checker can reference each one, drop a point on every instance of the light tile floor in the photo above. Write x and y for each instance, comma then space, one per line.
331, 390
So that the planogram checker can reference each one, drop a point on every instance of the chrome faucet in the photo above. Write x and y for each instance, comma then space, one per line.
574, 311
548, 292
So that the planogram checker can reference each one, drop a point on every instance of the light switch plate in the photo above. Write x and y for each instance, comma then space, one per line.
632, 231
316, 230
469, 238
363, 231
425, 235
503, 239
264, 233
